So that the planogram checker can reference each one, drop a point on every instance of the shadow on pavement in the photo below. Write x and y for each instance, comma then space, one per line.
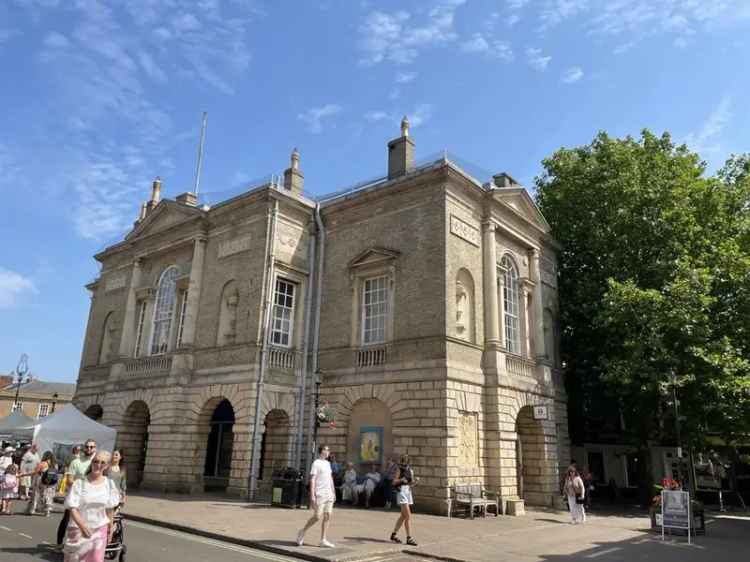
40, 551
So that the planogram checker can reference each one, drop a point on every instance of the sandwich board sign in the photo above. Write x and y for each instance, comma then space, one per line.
675, 511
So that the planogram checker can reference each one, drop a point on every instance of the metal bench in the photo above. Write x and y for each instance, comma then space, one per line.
471, 497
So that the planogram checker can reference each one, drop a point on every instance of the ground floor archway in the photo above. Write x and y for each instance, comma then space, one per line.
531, 458
95, 412
275, 446
133, 441
219, 446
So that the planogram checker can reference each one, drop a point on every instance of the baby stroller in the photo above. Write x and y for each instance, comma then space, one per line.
117, 546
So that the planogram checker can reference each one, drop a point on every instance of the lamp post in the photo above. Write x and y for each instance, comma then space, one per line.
54, 402
20, 377
317, 405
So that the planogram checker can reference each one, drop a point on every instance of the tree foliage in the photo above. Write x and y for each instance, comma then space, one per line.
654, 285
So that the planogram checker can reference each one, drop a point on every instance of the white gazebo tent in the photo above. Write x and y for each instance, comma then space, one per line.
68, 427
17, 427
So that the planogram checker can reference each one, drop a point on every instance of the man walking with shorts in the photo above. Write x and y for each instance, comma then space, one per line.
322, 496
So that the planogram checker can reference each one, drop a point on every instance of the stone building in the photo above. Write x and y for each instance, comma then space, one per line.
421, 307
36, 398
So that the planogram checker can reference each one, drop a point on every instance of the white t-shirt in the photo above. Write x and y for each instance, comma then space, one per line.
29, 461
321, 471
93, 501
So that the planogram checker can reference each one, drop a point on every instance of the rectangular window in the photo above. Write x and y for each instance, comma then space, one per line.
282, 320
139, 328
181, 319
17, 406
43, 410
374, 310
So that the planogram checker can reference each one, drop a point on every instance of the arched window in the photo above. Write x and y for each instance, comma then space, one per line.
164, 310
511, 306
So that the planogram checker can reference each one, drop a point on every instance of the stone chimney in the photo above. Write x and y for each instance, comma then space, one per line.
188, 198
155, 195
401, 153
504, 180
294, 180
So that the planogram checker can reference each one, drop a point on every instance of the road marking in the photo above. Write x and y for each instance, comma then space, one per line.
26, 536
211, 542
4, 528
603, 552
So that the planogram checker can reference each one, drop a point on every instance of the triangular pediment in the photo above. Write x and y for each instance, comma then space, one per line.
374, 256
521, 203
166, 214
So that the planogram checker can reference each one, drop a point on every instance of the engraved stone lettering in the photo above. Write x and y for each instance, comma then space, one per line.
234, 246
464, 230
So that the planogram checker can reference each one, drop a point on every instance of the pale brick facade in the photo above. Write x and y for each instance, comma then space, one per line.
411, 342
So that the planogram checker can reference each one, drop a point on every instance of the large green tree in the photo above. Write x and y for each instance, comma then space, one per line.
654, 287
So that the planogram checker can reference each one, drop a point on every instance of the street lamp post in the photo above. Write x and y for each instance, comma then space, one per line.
54, 402
20, 377
317, 405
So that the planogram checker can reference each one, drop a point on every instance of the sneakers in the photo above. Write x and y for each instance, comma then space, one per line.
410, 541
301, 538
327, 544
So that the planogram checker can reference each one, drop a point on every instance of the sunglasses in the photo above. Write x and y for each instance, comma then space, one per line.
98, 462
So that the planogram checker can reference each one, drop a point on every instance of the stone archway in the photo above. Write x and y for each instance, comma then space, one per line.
531, 459
133, 441
275, 446
95, 412
219, 445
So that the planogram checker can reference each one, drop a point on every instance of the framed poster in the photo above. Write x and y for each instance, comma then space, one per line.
541, 413
675, 511
371, 445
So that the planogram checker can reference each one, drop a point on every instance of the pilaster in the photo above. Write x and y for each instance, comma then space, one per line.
194, 293
538, 305
128, 322
489, 255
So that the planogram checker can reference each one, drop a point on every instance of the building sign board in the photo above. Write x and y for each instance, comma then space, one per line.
234, 246
541, 413
464, 230
675, 511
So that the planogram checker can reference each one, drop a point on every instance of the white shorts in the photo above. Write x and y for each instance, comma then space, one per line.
403, 497
323, 506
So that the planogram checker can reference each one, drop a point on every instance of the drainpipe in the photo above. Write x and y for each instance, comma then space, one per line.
316, 322
267, 296
305, 350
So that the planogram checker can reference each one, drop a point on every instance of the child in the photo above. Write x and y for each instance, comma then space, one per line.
8, 489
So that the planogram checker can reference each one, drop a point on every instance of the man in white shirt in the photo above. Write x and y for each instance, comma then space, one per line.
29, 462
322, 497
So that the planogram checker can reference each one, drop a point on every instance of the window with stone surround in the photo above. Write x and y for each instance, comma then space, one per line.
17, 406
374, 310
164, 310
105, 346
282, 320
43, 411
511, 305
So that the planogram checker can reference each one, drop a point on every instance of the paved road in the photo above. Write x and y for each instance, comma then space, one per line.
26, 539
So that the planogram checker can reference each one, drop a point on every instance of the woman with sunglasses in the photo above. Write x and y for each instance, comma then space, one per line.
91, 502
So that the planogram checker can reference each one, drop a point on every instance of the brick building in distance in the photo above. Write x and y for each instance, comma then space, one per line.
422, 307
36, 398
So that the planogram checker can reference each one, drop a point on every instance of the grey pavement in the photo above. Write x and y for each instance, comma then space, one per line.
26, 539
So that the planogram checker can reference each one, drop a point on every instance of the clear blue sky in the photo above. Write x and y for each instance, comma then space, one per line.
98, 98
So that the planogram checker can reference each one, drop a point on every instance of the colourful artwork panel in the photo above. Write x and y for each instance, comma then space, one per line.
371, 445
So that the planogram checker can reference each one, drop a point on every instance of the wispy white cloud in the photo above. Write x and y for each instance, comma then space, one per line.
537, 60
13, 286
493, 47
8, 34
418, 116
314, 116
572, 75
708, 139
396, 37
555, 12
405, 77
55, 40
513, 10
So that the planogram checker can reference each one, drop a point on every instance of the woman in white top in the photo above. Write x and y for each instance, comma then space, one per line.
575, 492
91, 502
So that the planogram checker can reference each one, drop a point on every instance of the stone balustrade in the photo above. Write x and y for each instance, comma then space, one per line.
520, 367
147, 365
281, 358
371, 356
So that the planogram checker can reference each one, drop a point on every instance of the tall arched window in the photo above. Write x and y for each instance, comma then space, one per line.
105, 348
511, 306
164, 310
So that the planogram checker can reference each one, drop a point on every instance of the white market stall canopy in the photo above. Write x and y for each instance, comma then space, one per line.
69, 426
17, 426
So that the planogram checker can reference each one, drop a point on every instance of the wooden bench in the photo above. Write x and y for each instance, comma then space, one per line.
471, 497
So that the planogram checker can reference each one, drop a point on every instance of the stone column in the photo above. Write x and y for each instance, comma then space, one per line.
489, 255
538, 304
194, 293
525, 334
129, 320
